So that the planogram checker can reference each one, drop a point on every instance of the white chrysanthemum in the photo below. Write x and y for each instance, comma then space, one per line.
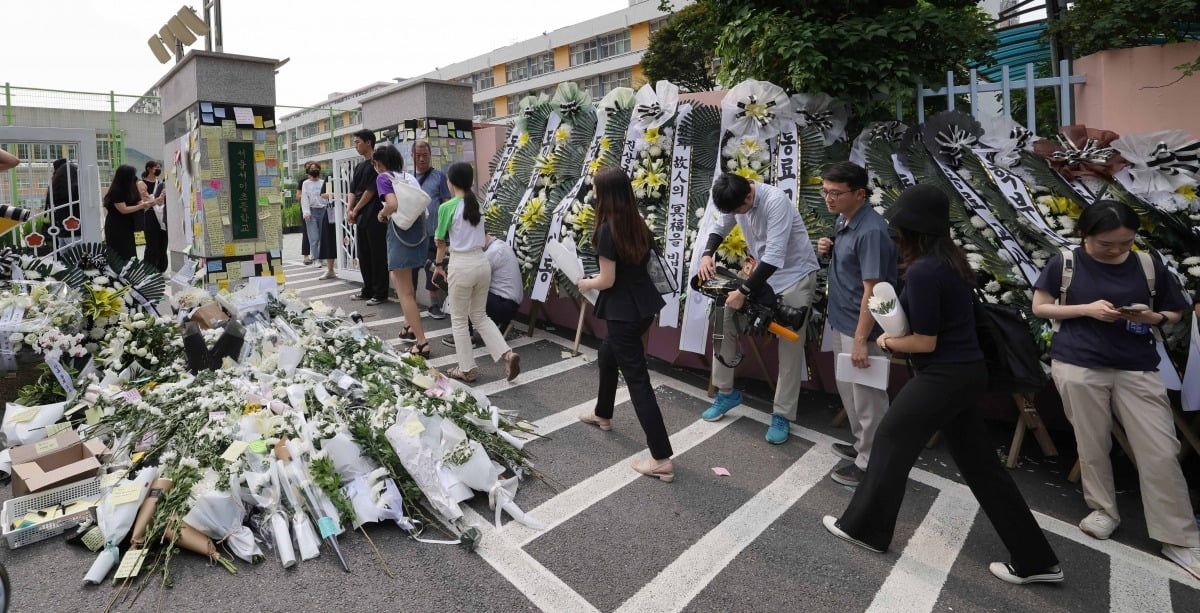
978, 222
992, 287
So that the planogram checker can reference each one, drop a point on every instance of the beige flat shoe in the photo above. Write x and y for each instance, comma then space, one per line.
590, 418
512, 365
663, 470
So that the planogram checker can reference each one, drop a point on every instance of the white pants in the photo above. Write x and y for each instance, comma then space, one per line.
865, 405
791, 355
469, 276
1090, 398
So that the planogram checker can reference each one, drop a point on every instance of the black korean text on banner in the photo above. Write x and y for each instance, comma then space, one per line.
902, 171
1018, 196
677, 211
541, 284
532, 186
1007, 241
787, 162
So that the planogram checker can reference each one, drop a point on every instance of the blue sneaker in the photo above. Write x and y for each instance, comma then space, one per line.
721, 405
777, 434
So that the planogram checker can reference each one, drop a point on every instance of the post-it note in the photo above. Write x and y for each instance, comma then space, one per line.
45, 446
125, 494
234, 451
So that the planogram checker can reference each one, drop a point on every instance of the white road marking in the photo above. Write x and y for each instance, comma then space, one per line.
588, 492
333, 294
527, 377
917, 578
562, 419
478, 352
695, 568
1136, 588
301, 290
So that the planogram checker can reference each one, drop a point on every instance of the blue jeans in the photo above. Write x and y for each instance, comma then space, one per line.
314, 225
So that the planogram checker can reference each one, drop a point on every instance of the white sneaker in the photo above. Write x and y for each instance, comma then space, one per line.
1187, 557
1098, 525
328, 275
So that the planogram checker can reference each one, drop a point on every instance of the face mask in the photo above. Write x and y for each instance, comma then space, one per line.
314, 173
157, 171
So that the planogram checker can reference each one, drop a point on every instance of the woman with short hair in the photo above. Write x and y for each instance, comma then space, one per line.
405, 248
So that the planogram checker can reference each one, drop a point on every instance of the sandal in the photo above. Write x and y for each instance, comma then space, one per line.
423, 350
512, 365
662, 470
406, 333
457, 373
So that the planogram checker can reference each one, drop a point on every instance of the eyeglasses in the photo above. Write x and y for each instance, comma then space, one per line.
834, 194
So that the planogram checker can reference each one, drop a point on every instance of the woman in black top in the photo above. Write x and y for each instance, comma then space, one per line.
121, 203
938, 298
150, 188
628, 302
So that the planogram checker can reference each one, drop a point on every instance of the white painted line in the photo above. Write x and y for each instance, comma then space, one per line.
301, 290
692, 571
385, 322
537, 583
562, 419
588, 492
429, 334
1134, 588
527, 377
308, 275
333, 294
478, 352
916, 580
1127, 555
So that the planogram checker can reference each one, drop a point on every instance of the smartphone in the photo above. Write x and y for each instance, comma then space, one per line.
1134, 308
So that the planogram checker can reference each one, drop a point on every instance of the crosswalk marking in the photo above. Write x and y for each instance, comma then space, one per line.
583, 495
916, 580
1139, 580
333, 294
1135, 588
695, 568
478, 352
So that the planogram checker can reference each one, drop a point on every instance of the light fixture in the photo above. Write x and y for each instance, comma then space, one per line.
181, 30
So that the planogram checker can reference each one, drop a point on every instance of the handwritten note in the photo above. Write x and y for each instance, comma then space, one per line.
243, 115
125, 494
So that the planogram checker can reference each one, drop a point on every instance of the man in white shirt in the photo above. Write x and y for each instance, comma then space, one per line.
786, 270
506, 290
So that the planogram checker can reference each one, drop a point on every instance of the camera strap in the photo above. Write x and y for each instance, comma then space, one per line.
719, 336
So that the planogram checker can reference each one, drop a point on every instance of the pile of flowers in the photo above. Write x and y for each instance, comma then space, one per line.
291, 427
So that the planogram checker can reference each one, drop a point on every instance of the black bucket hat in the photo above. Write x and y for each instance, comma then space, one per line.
921, 208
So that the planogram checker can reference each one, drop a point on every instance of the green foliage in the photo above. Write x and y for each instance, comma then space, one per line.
292, 216
868, 53
682, 50
1096, 25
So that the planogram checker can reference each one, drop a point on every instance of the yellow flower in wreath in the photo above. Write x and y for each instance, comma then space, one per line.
748, 173
523, 139
534, 211
104, 302
734, 247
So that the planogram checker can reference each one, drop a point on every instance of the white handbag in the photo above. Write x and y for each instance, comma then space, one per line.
411, 200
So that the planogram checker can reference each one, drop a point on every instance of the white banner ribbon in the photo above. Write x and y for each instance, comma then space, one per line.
60, 373
510, 147
532, 186
541, 284
1007, 241
1015, 192
787, 162
677, 211
906, 175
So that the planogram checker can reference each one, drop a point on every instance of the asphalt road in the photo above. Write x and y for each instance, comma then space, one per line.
616, 541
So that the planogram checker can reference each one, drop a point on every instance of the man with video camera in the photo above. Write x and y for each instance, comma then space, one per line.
785, 274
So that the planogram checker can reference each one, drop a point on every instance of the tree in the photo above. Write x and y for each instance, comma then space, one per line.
682, 50
868, 53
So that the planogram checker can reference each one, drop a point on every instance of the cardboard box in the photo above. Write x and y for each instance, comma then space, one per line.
55, 461
210, 316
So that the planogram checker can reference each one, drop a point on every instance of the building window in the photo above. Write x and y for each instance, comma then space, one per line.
657, 25
485, 109
527, 67
484, 79
620, 78
600, 48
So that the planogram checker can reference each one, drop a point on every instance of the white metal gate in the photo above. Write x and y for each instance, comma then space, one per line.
63, 207
347, 253
975, 86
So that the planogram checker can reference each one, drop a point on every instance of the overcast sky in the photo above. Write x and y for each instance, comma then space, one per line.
338, 45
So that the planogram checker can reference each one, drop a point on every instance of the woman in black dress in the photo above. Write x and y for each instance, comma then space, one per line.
943, 347
151, 188
628, 302
122, 203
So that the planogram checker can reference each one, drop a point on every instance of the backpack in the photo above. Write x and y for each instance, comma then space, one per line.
1068, 274
1014, 362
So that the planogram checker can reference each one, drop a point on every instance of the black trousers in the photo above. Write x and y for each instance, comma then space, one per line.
500, 310
622, 349
156, 243
372, 254
943, 397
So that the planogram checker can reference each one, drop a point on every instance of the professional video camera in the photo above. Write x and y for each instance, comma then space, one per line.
759, 317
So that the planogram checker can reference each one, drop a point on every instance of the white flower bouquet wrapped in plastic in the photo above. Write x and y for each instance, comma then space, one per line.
885, 308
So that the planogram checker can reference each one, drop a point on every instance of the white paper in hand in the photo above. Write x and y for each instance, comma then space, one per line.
875, 375
566, 258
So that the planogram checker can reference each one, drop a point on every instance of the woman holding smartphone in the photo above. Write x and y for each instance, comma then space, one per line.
1104, 360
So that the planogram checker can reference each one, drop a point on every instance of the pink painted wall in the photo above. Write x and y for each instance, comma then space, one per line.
1122, 92
487, 140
